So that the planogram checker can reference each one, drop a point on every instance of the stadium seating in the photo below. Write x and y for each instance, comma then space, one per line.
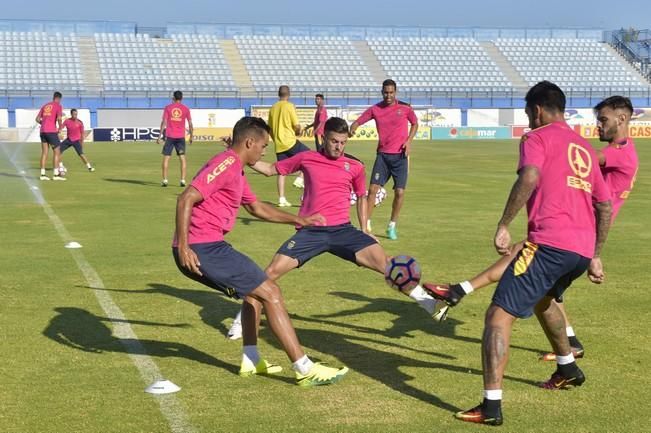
576, 64
38, 61
456, 64
137, 62
329, 63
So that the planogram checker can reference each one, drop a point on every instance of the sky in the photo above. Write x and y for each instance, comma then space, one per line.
607, 15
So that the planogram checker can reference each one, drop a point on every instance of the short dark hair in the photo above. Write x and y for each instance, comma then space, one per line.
57, 95
336, 125
615, 102
548, 95
178, 95
319, 95
389, 82
73, 110
248, 125
283, 90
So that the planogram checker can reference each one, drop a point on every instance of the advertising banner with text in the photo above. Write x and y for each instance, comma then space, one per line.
468, 133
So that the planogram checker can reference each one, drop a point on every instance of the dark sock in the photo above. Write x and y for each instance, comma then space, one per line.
458, 290
574, 342
491, 408
568, 370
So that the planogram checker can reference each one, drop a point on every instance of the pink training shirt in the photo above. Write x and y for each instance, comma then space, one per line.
392, 124
49, 114
619, 171
175, 115
328, 183
75, 129
224, 188
320, 118
560, 209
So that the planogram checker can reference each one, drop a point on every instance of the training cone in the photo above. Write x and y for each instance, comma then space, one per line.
162, 387
73, 245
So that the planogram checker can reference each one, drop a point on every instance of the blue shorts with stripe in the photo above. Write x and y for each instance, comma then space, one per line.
390, 165
343, 241
224, 269
537, 271
177, 144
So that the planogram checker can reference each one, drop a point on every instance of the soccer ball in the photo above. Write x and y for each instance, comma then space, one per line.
402, 273
62, 169
380, 196
353, 198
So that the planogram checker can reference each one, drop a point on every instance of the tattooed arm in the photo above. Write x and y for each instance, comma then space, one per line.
520, 193
603, 212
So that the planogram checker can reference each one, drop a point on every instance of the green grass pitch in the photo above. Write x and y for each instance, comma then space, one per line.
64, 369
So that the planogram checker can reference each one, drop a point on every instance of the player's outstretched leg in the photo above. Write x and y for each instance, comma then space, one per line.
575, 345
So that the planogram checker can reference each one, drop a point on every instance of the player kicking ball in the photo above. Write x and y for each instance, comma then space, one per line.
206, 211
329, 177
75, 131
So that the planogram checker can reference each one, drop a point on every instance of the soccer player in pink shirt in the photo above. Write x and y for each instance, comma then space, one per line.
175, 115
392, 118
206, 211
75, 139
330, 175
569, 211
618, 162
320, 118
49, 117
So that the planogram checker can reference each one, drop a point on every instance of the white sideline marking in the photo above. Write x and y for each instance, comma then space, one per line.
170, 407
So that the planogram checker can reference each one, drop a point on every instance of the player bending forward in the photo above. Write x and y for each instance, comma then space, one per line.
329, 177
206, 211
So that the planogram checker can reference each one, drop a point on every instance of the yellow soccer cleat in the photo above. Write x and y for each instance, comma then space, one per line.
247, 369
321, 375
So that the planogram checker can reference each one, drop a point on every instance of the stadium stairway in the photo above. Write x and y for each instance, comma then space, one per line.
370, 59
519, 84
238, 69
623, 60
90, 64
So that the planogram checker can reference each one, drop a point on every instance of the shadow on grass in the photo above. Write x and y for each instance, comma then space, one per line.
19, 176
82, 330
132, 181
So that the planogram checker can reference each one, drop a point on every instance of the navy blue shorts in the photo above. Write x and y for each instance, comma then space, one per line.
51, 138
75, 144
174, 143
294, 150
535, 272
343, 241
224, 269
394, 165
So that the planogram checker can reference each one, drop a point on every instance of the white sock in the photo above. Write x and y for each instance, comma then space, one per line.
493, 394
570, 331
467, 287
56, 171
425, 301
392, 224
564, 360
303, 365
282, 198
238, 317
42, 172
61, 165
88, 165
250, 353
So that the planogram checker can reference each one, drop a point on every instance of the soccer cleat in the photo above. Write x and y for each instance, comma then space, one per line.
321, 375
235, 331
392, 233
182, 183
164, 183
441, 314
442, 292
477, 415
247, 369
58, 177
298, 182
91, 169
559, 381
44, 177
578, 352
282, 202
